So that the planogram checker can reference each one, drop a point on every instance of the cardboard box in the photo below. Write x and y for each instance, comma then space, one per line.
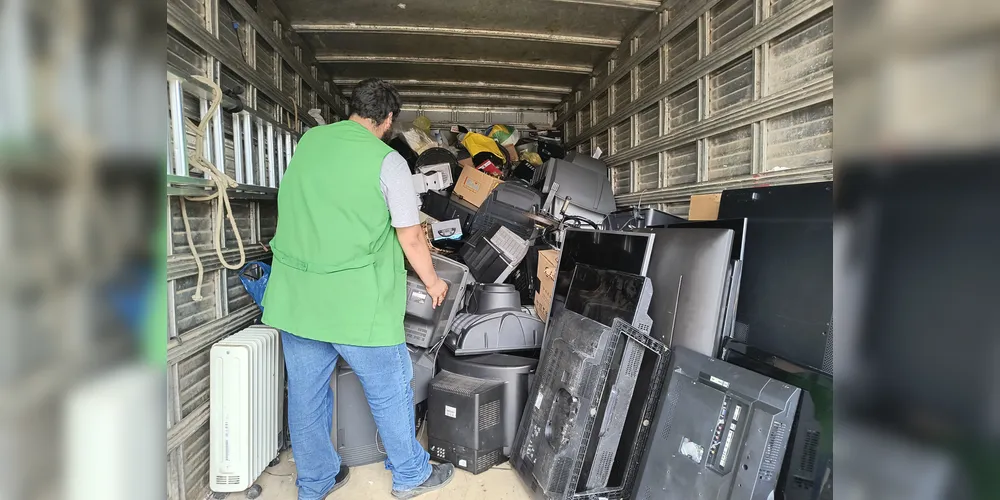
705, 206
547, 262
543, 305
466, 162
474, 186
547, 286
514, 158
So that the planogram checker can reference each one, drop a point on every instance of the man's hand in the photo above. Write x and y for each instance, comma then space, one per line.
437, 290
413, 239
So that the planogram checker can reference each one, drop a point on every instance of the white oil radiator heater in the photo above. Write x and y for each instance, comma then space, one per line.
247, 408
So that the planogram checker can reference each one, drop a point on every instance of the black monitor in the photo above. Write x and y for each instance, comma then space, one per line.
604, 295
808, 467
610, 250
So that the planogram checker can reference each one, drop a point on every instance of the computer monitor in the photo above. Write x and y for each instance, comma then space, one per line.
603, 295
587, 188
423, 324
611, 250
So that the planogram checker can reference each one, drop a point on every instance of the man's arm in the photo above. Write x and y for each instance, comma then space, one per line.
414, 245
401, 199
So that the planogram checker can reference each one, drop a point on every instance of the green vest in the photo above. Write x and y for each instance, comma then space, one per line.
337, 273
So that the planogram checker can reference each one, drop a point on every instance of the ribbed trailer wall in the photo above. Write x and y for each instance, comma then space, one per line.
711, 95
237, 44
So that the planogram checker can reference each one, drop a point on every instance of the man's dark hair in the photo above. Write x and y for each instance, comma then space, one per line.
375, 99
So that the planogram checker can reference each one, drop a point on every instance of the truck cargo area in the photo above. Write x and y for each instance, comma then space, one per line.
649, 121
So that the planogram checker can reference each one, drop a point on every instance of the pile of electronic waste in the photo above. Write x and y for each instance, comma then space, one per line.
615, 353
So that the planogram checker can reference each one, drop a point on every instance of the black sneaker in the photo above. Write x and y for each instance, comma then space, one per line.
342, 477
441, 475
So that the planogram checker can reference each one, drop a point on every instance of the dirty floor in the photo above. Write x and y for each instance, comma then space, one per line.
373, 482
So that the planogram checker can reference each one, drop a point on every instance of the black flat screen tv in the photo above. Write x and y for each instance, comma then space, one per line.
786, 289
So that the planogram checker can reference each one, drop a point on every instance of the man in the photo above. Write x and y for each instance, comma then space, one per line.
347, 214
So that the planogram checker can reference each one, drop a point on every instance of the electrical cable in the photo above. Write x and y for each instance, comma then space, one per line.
222, 182
377, 446
236, 28
582, 220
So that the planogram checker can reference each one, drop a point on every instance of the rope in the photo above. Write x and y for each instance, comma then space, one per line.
198, 162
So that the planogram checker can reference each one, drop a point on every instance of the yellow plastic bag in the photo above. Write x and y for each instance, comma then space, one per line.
533, 158
477, 143
423, 123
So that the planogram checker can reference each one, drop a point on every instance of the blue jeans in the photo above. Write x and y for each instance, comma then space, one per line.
385, 374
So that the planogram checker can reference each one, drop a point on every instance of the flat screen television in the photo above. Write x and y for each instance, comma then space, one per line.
690, 270
738, 226
786, 288
720, 432
808, 467
604, 295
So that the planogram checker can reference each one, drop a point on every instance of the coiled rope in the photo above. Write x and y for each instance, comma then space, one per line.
222, 182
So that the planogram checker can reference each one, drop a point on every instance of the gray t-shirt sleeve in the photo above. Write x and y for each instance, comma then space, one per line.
397, 189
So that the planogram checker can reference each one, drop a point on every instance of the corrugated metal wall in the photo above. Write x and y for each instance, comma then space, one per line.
711, 95
235, 45
477, 117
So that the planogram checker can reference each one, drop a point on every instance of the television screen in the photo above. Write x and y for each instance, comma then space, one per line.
739, 227
611, 250
689, 269
604, 295
786, 289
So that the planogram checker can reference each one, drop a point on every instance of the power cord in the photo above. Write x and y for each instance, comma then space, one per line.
236, 28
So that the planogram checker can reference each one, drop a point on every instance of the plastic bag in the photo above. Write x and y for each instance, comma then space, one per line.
533, 158
504, 134
418, 140
478, 143
255, 285
423, 123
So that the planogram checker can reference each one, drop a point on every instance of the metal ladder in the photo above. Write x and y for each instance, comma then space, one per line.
260, 164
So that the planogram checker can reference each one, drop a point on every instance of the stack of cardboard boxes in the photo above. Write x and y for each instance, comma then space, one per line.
548, 261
